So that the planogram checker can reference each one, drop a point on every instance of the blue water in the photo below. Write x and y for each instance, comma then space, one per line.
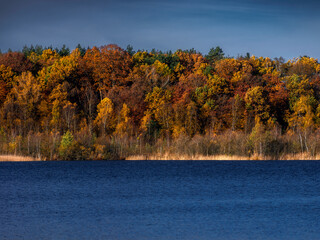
160, 200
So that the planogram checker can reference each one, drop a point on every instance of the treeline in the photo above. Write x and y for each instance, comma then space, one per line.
108, 103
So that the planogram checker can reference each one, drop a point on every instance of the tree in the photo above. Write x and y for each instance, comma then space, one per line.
236, 112
20, 110
110, 66
297, 87
59, 71
215, 54
64, 51
188, 63
192, 125
105, 118
69, 111
16, 61
6, 82
257, 104
302, 120
58, 99
82, 50
158, 74
159, 108
66, 145
130, 50
303, 66
124, 122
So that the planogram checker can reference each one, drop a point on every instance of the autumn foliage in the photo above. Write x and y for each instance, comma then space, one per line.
107, 103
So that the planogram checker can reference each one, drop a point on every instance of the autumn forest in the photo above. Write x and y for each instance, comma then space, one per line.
110, 103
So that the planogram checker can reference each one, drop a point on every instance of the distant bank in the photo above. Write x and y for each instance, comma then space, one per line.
166, 156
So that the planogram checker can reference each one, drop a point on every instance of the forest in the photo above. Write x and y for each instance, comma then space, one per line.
112, 103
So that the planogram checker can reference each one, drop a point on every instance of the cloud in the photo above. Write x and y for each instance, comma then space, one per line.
271, 27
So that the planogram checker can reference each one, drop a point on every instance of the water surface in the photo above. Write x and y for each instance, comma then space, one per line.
160, 200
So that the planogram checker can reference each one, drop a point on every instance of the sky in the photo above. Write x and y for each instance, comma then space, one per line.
269, 28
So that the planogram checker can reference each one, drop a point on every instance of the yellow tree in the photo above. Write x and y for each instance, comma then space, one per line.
6, 81
47, 58
124, 122
298, 86
105, 118
188, 62
159, 74
257, 138
59, 106
228, 68
27, 92
302, 120
303, 66
256, 105
21, 105
212, 101
124, 126
141, 57
160, 109
60, 70
190, 69
263, 65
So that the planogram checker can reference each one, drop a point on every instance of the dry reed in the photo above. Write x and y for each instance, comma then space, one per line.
16, 158
167, 156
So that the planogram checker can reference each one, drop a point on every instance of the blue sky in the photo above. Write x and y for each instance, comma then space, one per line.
287, 28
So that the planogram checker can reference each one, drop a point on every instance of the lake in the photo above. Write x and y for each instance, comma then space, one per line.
140, 200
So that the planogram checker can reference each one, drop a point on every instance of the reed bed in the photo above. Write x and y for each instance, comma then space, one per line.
168, 156
16, 158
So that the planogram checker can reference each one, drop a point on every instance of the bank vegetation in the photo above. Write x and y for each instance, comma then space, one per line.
112, 103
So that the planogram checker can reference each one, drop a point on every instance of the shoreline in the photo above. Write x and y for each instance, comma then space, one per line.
17, 158
170, 157
176, 157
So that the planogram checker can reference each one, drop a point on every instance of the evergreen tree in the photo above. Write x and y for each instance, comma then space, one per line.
215, 54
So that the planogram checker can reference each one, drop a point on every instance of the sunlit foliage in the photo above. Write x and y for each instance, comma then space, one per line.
55, 99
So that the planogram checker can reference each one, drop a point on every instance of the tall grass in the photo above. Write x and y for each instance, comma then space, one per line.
14, 158
228, 145
267, 145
